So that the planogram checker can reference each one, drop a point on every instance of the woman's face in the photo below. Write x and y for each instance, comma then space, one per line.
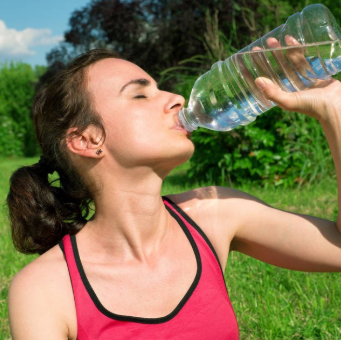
141, 121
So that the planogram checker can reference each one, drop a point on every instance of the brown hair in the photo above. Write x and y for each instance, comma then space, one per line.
40, 211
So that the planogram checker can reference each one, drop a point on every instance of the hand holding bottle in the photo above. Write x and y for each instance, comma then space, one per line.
315, 100
321, 101
295, 56
293, 60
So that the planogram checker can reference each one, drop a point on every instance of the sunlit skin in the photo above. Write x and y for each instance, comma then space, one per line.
140, 120
144, 143
132, 236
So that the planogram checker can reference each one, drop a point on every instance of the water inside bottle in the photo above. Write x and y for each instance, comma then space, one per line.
227, 96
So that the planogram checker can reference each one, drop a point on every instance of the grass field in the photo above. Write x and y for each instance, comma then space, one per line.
270, 303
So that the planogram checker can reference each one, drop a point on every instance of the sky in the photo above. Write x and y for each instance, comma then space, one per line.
31, 28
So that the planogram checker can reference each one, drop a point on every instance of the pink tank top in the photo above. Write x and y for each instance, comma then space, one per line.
204, 313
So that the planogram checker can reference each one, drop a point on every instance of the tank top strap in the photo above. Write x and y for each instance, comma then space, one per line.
88, 315
66, 246
192, 226
212, 273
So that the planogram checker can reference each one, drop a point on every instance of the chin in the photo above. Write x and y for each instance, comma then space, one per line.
184, 156
166, 164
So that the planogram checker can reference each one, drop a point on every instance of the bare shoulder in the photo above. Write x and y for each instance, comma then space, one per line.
42, 267
41, 300
217, 211
209, 201
210, 193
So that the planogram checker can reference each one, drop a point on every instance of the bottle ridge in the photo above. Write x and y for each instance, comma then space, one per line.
294, 56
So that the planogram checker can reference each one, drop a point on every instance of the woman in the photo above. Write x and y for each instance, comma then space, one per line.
141, 267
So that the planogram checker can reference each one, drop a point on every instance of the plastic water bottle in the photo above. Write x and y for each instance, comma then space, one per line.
294, 55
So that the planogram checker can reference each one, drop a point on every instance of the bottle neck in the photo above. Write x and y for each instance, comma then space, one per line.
187, 120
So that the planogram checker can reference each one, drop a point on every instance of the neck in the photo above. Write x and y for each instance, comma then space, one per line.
130, 215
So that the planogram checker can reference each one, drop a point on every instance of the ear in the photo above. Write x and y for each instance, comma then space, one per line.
87, 143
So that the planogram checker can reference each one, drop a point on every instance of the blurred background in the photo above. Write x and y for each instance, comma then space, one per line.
174, 41
282, 157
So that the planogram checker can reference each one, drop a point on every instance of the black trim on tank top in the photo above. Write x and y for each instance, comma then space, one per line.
61, 246
197, 228
137, 319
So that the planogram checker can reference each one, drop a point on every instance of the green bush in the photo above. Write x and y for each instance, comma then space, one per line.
279, 148
17, 88
10, 137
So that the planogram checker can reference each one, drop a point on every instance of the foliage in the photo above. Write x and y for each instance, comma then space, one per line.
159, 35
17, 87
154, 34
280, 148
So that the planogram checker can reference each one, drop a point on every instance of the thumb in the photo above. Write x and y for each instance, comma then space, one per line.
285, 100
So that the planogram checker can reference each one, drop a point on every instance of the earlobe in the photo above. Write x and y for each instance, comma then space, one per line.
86, 144
99, 152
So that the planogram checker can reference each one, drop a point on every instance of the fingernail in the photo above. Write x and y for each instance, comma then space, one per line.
260, 83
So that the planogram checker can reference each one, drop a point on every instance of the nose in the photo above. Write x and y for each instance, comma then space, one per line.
175, 102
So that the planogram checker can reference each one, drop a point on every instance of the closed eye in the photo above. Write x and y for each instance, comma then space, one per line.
140, 96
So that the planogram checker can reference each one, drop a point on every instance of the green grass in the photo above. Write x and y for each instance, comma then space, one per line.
270, 303
11, 261
275, 303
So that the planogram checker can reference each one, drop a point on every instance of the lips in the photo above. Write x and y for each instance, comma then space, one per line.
178, 123
179, 127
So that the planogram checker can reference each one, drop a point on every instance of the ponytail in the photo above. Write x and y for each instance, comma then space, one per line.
40, 212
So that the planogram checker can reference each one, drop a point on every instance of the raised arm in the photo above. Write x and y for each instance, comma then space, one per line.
234, 220
322, 102
292, 240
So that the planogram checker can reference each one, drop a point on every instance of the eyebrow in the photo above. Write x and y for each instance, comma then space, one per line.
141, 81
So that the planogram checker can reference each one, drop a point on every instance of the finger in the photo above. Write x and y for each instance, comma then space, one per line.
297, 56
285, 100
284, 67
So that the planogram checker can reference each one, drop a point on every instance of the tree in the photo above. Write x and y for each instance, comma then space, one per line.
158, 34
154, 34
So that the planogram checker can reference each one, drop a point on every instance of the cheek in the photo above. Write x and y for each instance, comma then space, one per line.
144, 129
136, 139
138, 135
